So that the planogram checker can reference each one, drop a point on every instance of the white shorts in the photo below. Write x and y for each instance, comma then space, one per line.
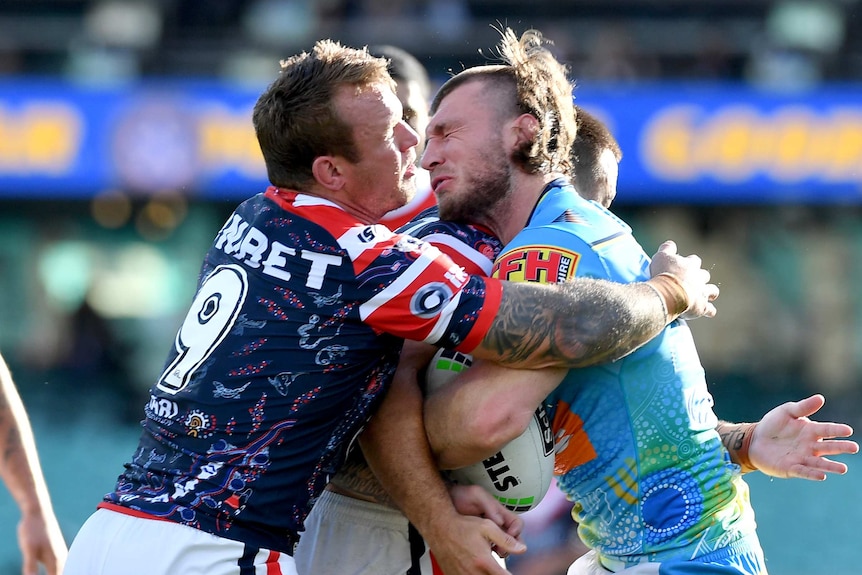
112, 543
588, 564
347, 536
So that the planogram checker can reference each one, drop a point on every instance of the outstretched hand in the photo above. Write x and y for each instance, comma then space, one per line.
785, 443
694, 279
484, 525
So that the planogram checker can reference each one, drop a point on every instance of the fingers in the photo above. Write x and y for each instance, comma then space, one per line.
701, 297
503, 543
505, 519
668, 247
802, 472
836, 447
690, 273
829, 466
473, 500
816, 469
824, 430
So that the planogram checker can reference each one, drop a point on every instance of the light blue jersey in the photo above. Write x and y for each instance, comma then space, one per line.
637, 450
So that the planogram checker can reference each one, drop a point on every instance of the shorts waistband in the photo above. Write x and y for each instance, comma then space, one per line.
287, 542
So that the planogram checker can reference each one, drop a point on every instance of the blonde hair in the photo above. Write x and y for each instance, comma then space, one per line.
532, 81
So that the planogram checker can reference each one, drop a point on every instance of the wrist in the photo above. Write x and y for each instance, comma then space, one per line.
737, 439
672, 294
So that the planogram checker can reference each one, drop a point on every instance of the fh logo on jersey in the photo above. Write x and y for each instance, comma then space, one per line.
544, 264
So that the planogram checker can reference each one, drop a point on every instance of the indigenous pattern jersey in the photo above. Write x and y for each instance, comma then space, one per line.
469, 246
293, 335
636, 446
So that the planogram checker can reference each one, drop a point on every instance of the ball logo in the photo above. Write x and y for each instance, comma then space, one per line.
499, 472
430, 299
545, 427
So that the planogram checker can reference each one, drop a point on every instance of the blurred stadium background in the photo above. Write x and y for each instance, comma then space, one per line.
125, 140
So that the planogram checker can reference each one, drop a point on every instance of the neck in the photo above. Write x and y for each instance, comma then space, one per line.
511, 215
358, 211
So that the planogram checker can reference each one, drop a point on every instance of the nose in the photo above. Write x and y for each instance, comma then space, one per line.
430, 157
409, 138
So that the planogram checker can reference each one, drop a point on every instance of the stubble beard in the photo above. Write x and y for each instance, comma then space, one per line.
407, 190
485, 192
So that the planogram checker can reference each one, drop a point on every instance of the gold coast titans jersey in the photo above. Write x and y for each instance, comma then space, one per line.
636, 447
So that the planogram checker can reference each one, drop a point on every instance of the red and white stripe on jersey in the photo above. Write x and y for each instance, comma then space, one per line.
422, 292
420, 304
471, 260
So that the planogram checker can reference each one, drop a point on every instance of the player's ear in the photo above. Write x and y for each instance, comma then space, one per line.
526, 126
328, 171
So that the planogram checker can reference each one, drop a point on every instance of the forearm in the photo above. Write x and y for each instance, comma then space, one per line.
396, 448
579, 323
482, 409
19, 462
736, 438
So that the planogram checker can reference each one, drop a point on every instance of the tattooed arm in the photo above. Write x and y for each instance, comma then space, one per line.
785, 443
568, 325
39, 533
589, 321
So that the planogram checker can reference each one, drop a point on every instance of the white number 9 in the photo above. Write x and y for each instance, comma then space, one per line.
210, 318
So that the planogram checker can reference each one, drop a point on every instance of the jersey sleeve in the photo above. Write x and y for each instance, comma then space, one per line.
417, 292
471, 247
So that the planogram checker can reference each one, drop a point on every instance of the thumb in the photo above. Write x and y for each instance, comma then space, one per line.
668, 247
505, 544
807, 406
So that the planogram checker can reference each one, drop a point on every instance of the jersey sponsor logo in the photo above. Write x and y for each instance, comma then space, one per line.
698, 404
161, 408
367, 235
535, 263
573, 446
362, 243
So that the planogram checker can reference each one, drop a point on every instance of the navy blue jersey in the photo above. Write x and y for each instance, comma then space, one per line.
293, 335
470, 246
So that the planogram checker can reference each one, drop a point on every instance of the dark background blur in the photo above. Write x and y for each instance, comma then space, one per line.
740, 121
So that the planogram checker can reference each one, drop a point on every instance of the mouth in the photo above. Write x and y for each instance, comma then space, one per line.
438, 182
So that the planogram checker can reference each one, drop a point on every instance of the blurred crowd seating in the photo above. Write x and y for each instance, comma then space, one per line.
759, 41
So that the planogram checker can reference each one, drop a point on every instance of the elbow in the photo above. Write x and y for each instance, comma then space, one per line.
496, 428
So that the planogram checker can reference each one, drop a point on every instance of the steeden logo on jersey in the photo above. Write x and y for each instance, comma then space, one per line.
536, 263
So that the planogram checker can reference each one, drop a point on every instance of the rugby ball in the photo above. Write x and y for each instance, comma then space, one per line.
520, 474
